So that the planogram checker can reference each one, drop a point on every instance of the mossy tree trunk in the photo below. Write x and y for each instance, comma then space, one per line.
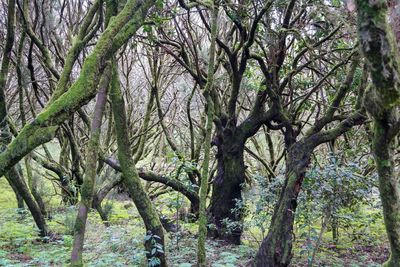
226, 207
201, 247
276, 248
87, 189
225, 215
17, 181
382, 101
20, 200
389, 186
12, 175
43, 128
154, 241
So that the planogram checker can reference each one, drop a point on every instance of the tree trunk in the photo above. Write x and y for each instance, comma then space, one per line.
154, 240
12, 175
33, 185
226, 200
91, 171
276, 248
389, 188
20, 200
382, 102
15, 179
201, 244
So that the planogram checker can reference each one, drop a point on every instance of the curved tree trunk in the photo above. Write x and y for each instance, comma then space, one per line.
201, 243
382, 101
12, 175
89, 180
389, 187
154, 241
15, 179
276, 248
20, 200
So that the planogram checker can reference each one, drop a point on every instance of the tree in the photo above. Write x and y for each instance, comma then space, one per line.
291, 117
201, 248
12, 174
382, 102
154, 240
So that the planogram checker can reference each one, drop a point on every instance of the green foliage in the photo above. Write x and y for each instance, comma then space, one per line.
227, 260
156, 248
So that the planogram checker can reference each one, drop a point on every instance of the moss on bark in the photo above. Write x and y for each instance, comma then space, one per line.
201, 247
382, 101
130, 175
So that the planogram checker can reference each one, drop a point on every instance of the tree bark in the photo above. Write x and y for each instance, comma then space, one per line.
227, 189
382, 101
155, 232
15, 179
389, 187
12, 175
88, 185
201, 245
20, 200
276, 248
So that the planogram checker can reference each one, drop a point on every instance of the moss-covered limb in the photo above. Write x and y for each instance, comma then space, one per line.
154, 177
378, 46
17, 181
358, 117
89, 180
79, 93
45, 52
382, 101
32, 137
79, 43
130, 176
201, 243
141, 9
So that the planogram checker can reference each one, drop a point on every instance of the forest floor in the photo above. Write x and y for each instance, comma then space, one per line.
121, 243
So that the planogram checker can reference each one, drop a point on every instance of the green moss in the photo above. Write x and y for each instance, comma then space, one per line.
129, 173
380, 50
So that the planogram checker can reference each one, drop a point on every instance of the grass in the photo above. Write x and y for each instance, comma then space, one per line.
121, 243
